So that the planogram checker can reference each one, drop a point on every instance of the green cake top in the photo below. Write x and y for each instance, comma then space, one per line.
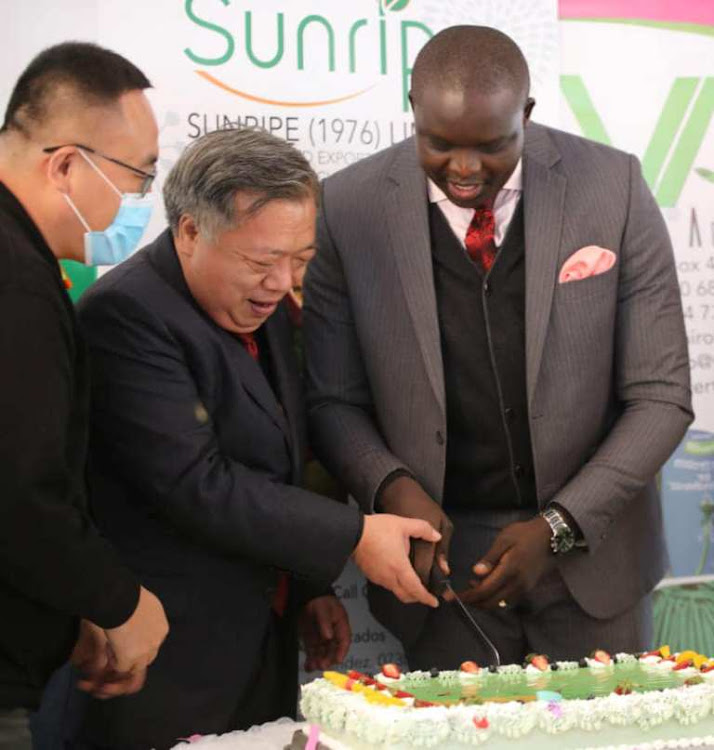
538, 679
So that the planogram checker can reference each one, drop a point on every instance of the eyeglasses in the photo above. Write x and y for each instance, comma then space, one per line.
148, 177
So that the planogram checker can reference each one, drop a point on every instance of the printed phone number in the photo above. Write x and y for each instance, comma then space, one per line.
703, 288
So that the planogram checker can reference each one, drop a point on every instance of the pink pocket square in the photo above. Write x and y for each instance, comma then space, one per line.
588, 261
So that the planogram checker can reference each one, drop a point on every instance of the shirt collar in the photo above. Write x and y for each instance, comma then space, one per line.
11, 206
514, 183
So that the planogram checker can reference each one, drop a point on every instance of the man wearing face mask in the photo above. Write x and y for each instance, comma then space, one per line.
77, 153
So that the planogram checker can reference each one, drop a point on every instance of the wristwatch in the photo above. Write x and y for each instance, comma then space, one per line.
562, 536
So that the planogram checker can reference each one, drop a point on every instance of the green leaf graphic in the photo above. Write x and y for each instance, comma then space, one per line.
699, 447
707, 174
395, 4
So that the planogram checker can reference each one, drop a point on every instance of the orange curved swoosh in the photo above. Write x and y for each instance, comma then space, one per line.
262, 100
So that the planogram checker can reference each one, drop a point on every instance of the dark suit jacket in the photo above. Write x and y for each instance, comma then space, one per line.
195, 460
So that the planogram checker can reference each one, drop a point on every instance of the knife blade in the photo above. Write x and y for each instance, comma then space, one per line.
442, 580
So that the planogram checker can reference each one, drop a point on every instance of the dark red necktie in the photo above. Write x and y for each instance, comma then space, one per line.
479, 240
280, 597
250, 344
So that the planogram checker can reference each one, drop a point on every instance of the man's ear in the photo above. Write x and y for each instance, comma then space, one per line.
530, 103
186, 235
60, 167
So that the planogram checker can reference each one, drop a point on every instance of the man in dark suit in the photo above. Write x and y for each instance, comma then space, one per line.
197, 450
495, 339
78, 140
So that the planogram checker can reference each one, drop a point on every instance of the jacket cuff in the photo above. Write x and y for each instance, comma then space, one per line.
117, 604
386, 482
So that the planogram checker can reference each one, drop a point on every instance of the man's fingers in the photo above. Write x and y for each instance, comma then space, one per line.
441, 551
343, 638
491, 559
409, 582
418, 529
482, 568
443, 545
115, 684
423, 557
88, 685
491, 586
326, 630
343, 646
132, 665
443, 564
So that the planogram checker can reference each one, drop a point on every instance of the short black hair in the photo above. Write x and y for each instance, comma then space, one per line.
97, 75
471, 57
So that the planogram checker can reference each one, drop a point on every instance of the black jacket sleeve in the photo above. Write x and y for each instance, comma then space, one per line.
49, 549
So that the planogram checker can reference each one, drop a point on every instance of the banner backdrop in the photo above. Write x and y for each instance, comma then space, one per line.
332, 78
640, 76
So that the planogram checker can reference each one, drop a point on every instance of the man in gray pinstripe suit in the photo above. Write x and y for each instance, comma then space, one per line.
495, 343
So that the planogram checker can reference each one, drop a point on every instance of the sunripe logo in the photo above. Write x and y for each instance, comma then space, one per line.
677, 137
289, 46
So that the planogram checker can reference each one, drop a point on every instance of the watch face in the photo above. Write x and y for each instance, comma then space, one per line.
563, 541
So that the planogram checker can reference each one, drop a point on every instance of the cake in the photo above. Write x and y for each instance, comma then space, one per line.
656, 700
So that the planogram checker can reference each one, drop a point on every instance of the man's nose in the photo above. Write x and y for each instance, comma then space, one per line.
280, 277
465, 163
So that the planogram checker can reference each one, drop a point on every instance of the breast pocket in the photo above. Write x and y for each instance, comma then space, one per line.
594, 286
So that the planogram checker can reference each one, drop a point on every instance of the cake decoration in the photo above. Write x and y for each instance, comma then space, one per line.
470, 706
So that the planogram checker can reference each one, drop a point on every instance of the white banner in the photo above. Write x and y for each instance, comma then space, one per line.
333, 78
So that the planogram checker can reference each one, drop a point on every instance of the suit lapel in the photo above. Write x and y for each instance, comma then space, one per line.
255, 382
164, 259
408, 226
544, 198
278, 336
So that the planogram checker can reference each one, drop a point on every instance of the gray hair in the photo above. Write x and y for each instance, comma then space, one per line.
215, 167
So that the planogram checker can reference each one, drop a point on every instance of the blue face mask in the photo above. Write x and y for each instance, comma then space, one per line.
119, 240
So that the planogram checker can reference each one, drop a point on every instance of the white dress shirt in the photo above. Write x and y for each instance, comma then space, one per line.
503, 207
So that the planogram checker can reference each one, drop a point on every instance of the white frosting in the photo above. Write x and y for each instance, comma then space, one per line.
663, 744
387, 680
530, 669
651, 659
567, 664
595, 664
349, 714
623, 658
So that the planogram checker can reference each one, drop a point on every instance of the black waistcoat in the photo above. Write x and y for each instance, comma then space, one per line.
489, 462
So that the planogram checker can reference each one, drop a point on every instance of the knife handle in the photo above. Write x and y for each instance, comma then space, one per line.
438, 580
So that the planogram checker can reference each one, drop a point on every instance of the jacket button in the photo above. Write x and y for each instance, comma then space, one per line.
518, 470
487, 288
509, 414
439, 437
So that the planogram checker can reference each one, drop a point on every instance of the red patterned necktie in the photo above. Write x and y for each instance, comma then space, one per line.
250, 344
479, 237
280, 597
